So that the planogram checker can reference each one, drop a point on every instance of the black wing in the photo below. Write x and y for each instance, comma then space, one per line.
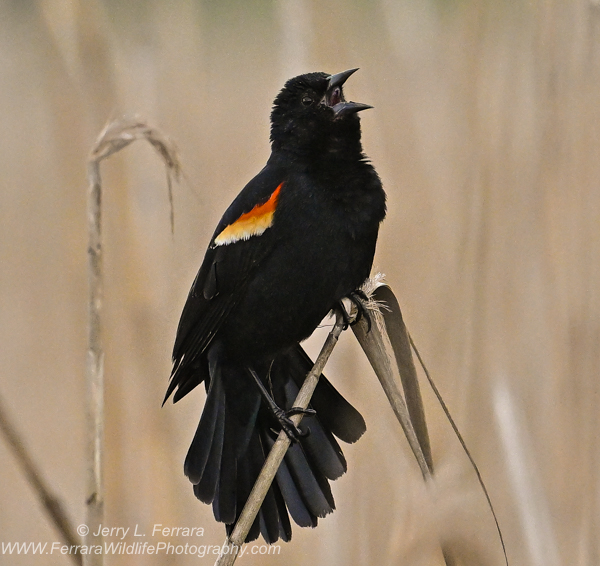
221, 280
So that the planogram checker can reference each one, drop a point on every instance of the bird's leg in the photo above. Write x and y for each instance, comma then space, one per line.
359, 299
283, 417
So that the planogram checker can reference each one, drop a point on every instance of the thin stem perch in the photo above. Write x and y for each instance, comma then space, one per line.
233, 543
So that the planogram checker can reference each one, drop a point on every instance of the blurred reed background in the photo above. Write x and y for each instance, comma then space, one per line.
486, 134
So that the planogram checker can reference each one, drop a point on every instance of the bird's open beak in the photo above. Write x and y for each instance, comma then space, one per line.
335, 99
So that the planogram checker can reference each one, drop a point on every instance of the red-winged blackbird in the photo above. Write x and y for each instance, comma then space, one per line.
298, 239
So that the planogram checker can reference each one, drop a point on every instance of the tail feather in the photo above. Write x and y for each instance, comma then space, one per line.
305, 478
322, 448
336, 414
236, 432
285, 527
242, 403
294, 501
326, 491
205, 489
199, 451
270, 525
269, 513
225, 503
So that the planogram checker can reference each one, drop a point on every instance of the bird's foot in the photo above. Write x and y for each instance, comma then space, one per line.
294, 433
359, 299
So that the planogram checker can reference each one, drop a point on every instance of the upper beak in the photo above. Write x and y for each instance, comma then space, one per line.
341, 107
340, 78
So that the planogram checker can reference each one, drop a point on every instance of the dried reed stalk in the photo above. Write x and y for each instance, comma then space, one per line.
49, 501
115, 136
373, 342
404, 394
233, 543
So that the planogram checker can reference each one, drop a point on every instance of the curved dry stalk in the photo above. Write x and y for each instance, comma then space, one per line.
119, 134
115, 136
50, 502
234, 542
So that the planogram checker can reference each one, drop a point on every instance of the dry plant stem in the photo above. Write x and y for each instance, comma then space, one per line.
233, 543
399, 340
50, 502
95, 369
114, 137
463, 444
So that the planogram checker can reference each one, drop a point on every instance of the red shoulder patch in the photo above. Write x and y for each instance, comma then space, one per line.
252, 223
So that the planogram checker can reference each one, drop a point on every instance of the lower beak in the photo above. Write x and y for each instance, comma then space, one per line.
346, 108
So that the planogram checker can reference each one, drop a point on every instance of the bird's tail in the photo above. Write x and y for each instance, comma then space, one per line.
236, 432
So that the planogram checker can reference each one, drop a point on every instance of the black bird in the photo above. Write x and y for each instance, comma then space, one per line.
298, 239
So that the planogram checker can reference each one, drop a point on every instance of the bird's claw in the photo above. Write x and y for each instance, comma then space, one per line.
300, 411
294, 433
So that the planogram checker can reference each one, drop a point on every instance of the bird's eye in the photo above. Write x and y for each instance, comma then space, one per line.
307, 101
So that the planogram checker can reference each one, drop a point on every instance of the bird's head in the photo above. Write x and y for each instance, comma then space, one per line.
310, 114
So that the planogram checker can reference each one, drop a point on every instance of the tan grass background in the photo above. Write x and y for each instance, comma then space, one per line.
486, 132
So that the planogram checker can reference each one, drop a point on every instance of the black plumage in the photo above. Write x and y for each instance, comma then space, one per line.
298, 238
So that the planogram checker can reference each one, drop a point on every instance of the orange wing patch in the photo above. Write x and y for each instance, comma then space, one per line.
252, 223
